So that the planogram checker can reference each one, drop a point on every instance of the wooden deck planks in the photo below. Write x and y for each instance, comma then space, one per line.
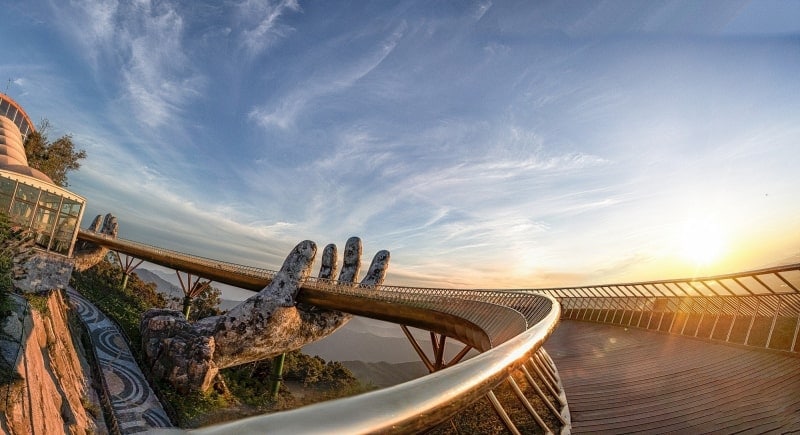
622, 380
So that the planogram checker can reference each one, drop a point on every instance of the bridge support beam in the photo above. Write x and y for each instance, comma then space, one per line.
438, 344
191, 290
128, 266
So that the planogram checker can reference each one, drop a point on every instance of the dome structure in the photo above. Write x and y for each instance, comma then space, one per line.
29, 196
15, 125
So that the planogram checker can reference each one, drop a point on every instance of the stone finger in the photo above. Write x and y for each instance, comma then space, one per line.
328, 268
110, 225
377, 269
296, 268
351, 262
97, 224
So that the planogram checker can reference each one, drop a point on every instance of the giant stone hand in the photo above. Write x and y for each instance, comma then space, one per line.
267, 324
87, 254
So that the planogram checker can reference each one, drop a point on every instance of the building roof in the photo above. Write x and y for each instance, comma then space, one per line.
15, 125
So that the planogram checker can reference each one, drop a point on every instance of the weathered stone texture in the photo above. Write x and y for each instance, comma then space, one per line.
54, 391
45, 271
265, 325
177, 352
87, 254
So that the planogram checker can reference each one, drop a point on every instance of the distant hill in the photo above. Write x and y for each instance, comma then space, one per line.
383, 374
348, 345
162, 285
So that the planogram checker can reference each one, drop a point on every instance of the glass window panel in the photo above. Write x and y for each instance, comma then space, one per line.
7, 186
60, 245
27, 193
44, 221
4, 106
66, 225
21, 212
70, 207
49, 200
20, 122
42, 239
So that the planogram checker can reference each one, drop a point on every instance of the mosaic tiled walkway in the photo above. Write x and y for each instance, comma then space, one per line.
136, 407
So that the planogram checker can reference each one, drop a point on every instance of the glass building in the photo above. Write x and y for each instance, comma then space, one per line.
28, 196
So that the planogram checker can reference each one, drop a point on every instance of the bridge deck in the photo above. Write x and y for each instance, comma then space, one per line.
621, 380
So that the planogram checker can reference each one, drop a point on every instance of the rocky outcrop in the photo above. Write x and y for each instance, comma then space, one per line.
49, 389
177, 352
265, 325
44, 271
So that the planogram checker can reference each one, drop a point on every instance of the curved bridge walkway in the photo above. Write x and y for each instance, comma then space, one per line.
674, 378
626, 380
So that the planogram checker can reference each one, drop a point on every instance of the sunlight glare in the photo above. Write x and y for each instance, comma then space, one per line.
703, 242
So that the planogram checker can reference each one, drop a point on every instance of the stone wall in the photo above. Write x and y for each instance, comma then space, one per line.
48, 387
45, 271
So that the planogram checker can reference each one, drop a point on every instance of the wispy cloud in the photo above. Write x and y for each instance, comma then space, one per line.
159, 77
260, 21
143, 41
93, 24
284, 112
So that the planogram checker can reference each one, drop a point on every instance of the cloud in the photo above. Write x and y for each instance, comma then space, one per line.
260, 22
142, 42
284, 112
159, 77
92, 23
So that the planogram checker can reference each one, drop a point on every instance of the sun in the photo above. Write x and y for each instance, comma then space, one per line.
703, 242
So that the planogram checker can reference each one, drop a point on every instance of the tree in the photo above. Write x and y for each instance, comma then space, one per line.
206, 304
55, 158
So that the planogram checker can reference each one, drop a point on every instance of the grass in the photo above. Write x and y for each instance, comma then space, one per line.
38, 303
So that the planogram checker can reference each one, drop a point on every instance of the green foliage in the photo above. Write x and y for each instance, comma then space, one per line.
55, 158
91, 407
321, 380
6, 259
38, 303
313, 370
6, 282
101, 284
196, 409
206, 304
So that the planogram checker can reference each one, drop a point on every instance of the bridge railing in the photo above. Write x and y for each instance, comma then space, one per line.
422, 403
759, 308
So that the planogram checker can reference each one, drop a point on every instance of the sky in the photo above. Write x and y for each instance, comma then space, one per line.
508, 144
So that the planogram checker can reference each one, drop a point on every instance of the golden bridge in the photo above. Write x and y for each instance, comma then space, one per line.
713, 354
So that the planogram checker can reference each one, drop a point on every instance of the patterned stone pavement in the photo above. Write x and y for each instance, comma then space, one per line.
135, 406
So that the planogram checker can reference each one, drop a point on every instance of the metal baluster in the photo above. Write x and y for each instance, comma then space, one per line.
774, 320
752, 321
502, 413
